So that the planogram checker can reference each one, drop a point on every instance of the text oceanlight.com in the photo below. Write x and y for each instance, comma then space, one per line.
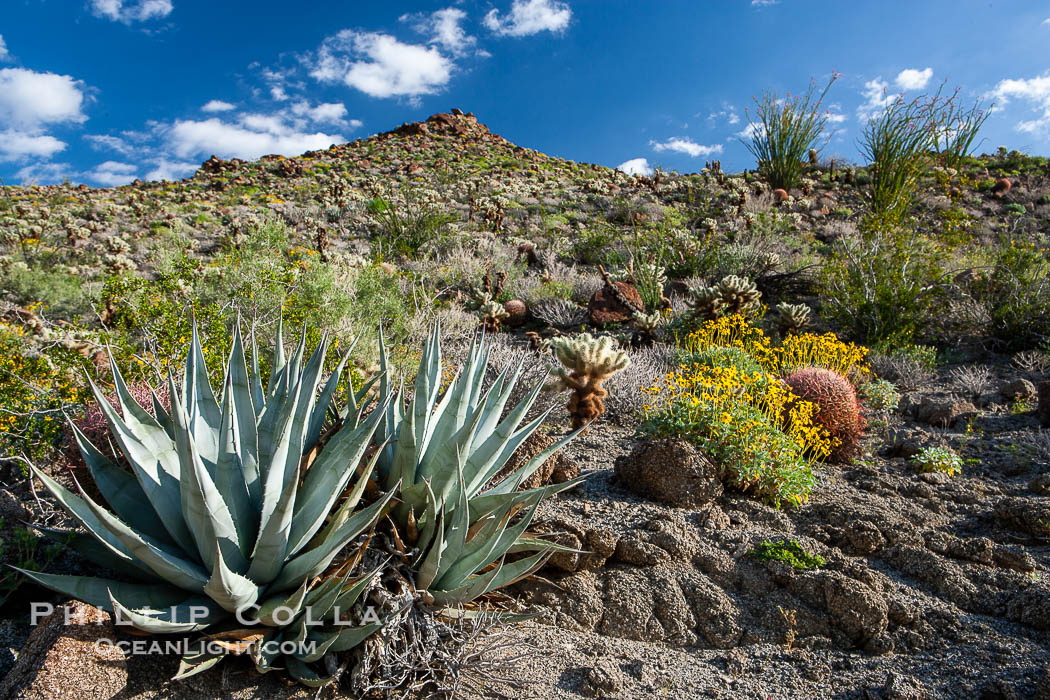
185, 647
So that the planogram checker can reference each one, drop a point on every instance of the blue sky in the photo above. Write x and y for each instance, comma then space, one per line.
104, 91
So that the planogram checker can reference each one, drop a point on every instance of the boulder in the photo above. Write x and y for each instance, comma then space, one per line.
1017, 389
671, 471
556, 470
615, 303
60, 656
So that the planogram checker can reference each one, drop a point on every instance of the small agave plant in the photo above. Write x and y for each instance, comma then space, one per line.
443, 452
231, 519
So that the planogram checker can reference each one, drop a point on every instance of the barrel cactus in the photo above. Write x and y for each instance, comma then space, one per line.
232, 510
586, 363
838, 410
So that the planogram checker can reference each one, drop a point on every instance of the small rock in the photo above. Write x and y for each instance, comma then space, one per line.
935, 478
1026, 515
604, 679
10, 508
672, 471
944, 414
615, 303
901, 687
1040, 485
1017, 389
865, 537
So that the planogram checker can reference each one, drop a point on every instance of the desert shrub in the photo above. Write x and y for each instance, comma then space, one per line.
627, 397
838, 409
35, 387
403, 230
879, 395
749, 423
910, 367
92, 421
784, 131
885, 284
1015, 292
60, 292
897, 142
1015, 209
789, 552
938, 459
717, 356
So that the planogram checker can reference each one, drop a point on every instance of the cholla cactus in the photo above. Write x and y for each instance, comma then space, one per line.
733, 295
792, 318
586, 363
492, 313
647, 326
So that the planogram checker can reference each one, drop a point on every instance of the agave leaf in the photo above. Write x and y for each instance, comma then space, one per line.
514, 480
345, 640
349, 504
266, 653
121, 490
204, 509
486, 548
293, 604
428, 570
258, 396
327, 478
514, 571
199, 401
239, 436
95, 591
166, 621
306, 675
228, 588
486, 456
163, 419
196, 662
535, 544
167, 564
455, 537
470, 590
324, 402
155, 464
271, 548
78, 508
313, 561
349, 596
87, 547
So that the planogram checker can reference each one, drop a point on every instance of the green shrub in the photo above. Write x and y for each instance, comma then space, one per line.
1015, 209
885, 285
403, 230
880, 395
789, 552
784, 131
938, 459
1015, 292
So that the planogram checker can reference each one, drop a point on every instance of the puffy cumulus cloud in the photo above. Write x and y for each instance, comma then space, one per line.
381, 66
877, 97
527, 17
112, 173
20, 145
445, 29
4, 54
687, 146
636, 166
44, 173
218, 106
30, 103
913, 79
30, 100
252, 136
1036, 92
139, 11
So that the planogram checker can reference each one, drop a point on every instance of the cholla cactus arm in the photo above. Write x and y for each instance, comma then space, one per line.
792, 318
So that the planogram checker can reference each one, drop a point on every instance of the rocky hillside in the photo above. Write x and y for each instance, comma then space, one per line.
914, 567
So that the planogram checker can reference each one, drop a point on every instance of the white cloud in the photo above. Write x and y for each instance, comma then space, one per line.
112, 173
445, 30
218, 106
687, 146
727, 113
1035, 91
19, 145
381, 66
1046, 21
43, 173
31, 99
253, 136
751, 130
105, 142
836, 117
913, 79
139, 11
527, 17
636, 166
763, 3
325, 113
4, 54
165, 169
876, 98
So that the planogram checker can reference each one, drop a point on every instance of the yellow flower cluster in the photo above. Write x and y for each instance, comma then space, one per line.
805, 350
